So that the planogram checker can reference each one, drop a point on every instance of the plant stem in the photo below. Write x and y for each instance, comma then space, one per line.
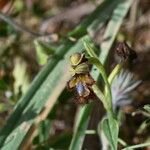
114, 72
90, 49
95, 60
100, 95
108, 95
90, 132
122, 142
137, 146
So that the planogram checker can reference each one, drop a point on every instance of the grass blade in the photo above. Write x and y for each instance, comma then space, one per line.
23, 102
43, 99
110, 128
100, 15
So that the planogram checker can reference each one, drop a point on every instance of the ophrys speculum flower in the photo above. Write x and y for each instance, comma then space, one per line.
81, 79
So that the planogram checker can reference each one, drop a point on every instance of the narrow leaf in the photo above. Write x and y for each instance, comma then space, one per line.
110, 128
147, 108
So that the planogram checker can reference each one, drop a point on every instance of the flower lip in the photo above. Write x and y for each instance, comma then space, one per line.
82, 89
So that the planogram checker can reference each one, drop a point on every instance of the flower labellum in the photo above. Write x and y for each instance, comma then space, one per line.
82, 89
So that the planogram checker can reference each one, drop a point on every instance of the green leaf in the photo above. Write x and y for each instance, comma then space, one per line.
81, 126
111, 129
90, 48
44, 96
39, 85
43, 132
43, 51
101, 14
44, 127
21, 83
147, 107
113, 26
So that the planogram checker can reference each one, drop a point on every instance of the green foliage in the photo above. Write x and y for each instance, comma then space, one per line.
21, 78
137, 146
44, 91
43, 51
40, 52
110, 127
81, 126
147, 108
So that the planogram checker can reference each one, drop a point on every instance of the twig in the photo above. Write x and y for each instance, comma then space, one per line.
144, 113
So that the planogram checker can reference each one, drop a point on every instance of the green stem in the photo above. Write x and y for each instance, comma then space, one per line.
137, 146
90, 132
111, 77
114, 72
100, 95
106, 98
90, 49
108, 95
122, 142
95, 60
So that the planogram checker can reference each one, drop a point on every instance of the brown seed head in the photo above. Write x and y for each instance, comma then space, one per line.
125, 52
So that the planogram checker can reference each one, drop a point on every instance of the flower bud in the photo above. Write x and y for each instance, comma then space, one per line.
125, 52
76, 58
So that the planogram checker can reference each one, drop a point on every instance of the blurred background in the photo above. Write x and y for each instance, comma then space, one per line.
24, 23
